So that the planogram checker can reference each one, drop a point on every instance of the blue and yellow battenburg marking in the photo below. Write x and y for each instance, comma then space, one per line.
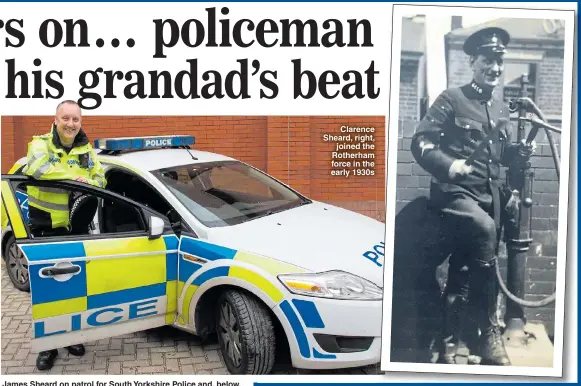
211, 252
107, 289
20, 196
11, 210
22, 200
111, 287
197, 249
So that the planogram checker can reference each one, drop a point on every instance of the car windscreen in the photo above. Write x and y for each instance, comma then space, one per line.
227, 193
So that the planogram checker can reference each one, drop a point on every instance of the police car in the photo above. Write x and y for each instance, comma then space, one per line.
204, 243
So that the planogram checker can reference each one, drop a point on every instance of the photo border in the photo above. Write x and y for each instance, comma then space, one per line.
399, 10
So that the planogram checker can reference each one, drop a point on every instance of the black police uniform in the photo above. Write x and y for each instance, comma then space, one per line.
470, 205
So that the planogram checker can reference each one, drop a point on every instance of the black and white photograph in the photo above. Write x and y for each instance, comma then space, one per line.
480, 119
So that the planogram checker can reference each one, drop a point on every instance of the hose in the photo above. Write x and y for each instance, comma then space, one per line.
554, 151
525, 303
550, 298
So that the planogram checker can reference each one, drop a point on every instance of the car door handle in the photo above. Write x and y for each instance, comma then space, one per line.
53, 271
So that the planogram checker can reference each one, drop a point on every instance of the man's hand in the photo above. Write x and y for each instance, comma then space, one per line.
459, 167
527, 103
527, 150
82, 179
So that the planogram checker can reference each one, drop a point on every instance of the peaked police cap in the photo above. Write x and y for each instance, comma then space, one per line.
492, 40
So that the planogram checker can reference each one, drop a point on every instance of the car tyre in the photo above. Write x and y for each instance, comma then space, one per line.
16, 265
245, 333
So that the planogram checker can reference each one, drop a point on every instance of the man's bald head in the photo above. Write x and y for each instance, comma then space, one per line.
68, 121
67, 102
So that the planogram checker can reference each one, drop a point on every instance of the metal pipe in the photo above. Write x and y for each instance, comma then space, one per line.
548, 129
554, 151
520, 178
541, 123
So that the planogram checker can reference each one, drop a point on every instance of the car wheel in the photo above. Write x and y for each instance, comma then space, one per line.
245, 333
16, 265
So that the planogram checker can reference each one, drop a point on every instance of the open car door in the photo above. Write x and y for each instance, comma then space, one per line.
97, 281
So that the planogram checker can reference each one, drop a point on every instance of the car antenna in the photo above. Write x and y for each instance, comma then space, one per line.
191, 155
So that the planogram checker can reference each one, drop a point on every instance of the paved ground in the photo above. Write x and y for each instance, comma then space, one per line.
158, 351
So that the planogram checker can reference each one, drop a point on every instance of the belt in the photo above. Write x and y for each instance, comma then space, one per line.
486, 141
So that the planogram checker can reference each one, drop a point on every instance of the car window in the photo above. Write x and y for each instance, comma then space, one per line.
88, 214
131, 186
236, 181
227, 193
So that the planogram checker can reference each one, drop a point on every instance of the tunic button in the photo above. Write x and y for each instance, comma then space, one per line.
490, 179
489, 161
490, 141
441, 134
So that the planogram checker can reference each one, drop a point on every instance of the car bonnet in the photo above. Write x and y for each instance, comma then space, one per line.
317, 237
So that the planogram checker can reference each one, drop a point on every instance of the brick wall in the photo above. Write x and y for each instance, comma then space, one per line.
289, 148
550, 93
8, 134
408, 89
459, 72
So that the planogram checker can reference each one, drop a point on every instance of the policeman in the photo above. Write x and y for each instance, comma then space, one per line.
62, 154
462, 142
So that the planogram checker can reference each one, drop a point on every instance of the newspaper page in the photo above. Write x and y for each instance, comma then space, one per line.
227, 194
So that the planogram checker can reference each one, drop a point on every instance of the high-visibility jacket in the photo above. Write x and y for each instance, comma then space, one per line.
47, 159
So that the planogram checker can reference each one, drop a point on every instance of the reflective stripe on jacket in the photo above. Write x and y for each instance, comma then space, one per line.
48, 160
51, 200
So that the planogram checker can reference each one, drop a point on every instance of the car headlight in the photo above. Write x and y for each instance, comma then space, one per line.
332, 284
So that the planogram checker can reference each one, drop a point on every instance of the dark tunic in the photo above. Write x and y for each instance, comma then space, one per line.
470, 205
452, 129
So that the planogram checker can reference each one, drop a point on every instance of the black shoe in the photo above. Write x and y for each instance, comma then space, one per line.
492, 348
76, 350
491, 345
45, 359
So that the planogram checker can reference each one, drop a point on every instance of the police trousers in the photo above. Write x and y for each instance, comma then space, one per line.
474, 234
41, 224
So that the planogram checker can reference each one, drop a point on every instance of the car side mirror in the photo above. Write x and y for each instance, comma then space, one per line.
156, 227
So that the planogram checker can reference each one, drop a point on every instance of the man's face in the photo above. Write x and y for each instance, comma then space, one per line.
487, 70
68, 122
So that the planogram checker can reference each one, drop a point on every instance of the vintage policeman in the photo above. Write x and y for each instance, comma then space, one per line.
62, 154
463, 141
